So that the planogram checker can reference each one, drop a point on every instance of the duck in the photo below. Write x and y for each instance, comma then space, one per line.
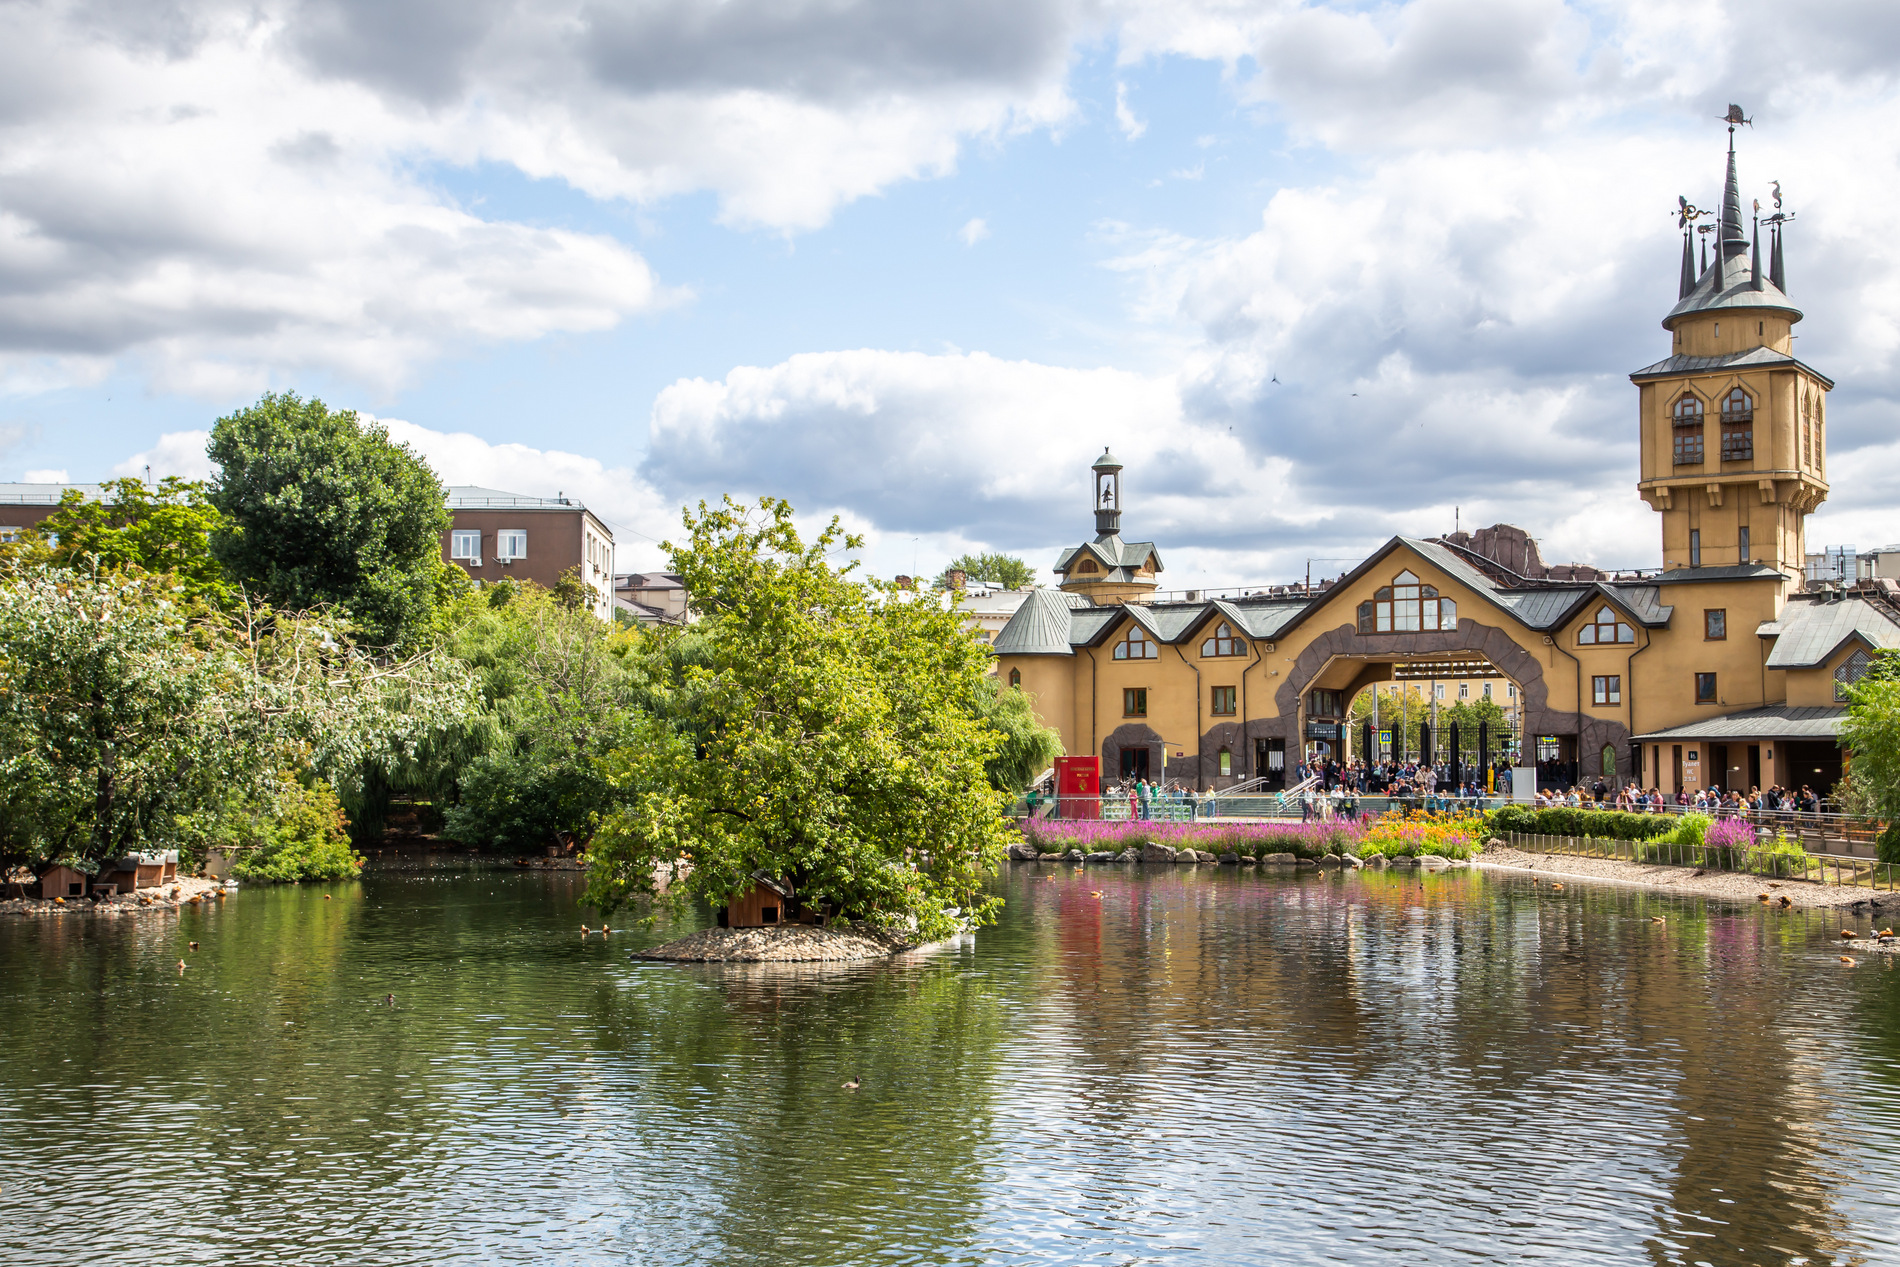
1762, 898
1786, 901
585, 930
1555, 888
181, 965
326, 897
194, 945
1657, 919
1096, 893
1848, 934
389, 1000
605, 931
852, 1085
1849, 960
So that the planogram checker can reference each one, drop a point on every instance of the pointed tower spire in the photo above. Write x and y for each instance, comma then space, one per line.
1705, 259
1775, 273
1688, 266
1755, 279
1732, 203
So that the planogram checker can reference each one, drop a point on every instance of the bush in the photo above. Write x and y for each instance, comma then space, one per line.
1889, 849
307, 838
1604, 824
1304, 840
1417, 835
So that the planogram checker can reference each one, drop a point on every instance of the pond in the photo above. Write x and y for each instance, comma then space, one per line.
1151, 1066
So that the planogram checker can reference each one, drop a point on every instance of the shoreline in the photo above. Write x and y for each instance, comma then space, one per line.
190, 890
1733, 886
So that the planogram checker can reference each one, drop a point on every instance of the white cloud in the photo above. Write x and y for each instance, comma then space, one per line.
1131, 127
973, 231
45, 477
180, 453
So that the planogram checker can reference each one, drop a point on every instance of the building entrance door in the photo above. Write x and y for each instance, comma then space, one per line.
1269, 761
1134, 763
1754, 765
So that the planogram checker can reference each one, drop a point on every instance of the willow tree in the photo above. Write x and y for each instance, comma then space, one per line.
1871, 732
823, 734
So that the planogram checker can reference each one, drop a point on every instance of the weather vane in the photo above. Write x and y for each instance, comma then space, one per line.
1735, 117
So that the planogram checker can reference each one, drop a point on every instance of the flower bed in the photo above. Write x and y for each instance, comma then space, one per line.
1422, 834
1305, 840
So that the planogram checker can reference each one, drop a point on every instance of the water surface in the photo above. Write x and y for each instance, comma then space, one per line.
1195, 1066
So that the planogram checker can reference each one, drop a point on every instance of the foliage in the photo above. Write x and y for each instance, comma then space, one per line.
1605, 824
995, 569
1304, 840
1729, 833
135, 527
130, 721
559, 691
1409, 712
1423, 833
832, 742
1025, 747
1689, 829
322, 509
304, 837
1871, 731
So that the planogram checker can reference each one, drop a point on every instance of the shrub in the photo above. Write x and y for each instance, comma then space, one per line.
307, 838
1604, 824
1889, 850
1305, 840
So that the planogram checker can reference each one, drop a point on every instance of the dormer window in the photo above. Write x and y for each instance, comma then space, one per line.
1406, 606
1605, 629
1137, 646
1738, 427
1852, 670
1087, 566
1688, 429
1223, 643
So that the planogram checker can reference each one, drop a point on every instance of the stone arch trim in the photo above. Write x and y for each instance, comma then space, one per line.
1490, 641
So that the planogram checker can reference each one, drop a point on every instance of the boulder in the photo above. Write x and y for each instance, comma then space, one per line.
1376, 862
1128, 855
1246, 860
1306, 862
1022, 853
1152, 852
1075, 855
1058, 856
1331, 861
1402, 861
1101, 855
1277, 859
1189, 856
1432, 862
1230, 860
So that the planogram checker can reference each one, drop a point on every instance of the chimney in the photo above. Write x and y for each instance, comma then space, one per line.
957, 578
902, 582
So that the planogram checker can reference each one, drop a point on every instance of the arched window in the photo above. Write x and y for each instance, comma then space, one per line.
1406, 606
1688, 429
1137, 646
1738, 427
1852, 670
1223, 643
1015, 677
1087, 565
1226, 763
1609, 763
1605, 628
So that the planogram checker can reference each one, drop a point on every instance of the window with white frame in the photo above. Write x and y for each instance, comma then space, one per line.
465, 546
511, 543
1406, 606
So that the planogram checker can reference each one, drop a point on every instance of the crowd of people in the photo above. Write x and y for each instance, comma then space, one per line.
1716, 801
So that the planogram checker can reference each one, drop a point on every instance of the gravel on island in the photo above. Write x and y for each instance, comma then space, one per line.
1733, 885
783, 943
184, 891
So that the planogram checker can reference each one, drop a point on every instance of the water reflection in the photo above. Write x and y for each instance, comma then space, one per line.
1156, 1066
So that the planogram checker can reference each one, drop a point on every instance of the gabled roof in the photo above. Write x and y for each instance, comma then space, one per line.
1752, 359
1778, 721
1118, 558
1810, 632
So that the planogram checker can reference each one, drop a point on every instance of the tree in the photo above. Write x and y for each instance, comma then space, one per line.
1025, 746
995, 569
131, 720
320, 508
1871, 732
560, 690
135, 527
832, 740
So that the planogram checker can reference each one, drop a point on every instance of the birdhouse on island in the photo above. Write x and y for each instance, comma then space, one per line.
148, 870
767, 903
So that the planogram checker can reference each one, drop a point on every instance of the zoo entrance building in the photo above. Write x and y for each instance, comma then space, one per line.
1722, 668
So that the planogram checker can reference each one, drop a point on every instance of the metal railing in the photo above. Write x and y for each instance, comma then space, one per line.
1854, 871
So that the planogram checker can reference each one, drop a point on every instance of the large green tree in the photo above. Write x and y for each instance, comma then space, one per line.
832, 740
1871, 733
135, 527
321, 508
131, 720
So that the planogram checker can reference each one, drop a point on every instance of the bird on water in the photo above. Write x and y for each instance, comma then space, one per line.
852, 1085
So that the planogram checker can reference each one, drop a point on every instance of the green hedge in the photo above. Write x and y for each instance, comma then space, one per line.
1605, 824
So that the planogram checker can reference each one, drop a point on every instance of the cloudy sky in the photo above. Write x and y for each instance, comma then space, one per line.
1317, 273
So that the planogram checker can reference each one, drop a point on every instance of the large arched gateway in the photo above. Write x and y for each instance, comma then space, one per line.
1725, 667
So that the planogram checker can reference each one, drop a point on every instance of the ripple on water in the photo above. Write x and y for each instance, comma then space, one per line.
1196, 1067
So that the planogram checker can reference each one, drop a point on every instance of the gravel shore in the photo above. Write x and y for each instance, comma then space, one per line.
786, 943
1690, 880
180, 892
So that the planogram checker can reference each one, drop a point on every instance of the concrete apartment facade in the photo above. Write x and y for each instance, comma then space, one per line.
495, 535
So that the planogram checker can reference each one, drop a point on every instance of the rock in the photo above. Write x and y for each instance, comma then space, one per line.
1022, 853
1075, 855
1189, 856
1152, 852
1230, 860
1128, 855
1246, 860
1306, 862
1403, 861
1431, 862
1331, 861
1102, 855
1057, 856
1376, 862
1277, 859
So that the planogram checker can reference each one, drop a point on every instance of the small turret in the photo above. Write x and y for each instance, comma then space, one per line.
1108, 495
